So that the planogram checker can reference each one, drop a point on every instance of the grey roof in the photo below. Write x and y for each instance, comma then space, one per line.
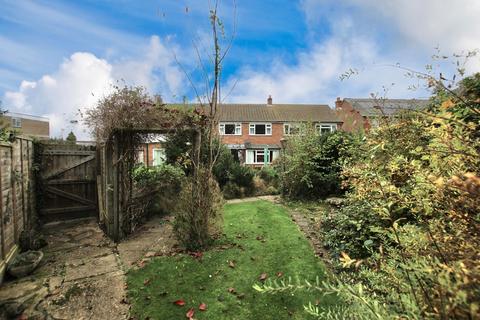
388, 107
277, 113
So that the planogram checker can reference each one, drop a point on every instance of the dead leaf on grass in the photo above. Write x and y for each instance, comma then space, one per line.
231, 264
190, 313
263, 277
232, 290
179, 302
202, 307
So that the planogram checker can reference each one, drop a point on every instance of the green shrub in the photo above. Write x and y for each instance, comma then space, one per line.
312, 163
159, 186
198, 212
232, 191
353, 229
222, 170
243, 176
270, 175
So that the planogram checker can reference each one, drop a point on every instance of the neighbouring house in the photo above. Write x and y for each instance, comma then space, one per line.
362, 114
28, 125
255, 132
152, 152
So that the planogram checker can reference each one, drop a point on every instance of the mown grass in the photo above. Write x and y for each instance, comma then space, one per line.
260, 238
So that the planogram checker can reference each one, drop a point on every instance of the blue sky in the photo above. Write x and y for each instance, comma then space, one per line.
57, 57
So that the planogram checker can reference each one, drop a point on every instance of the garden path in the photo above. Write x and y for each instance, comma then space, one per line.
82, 275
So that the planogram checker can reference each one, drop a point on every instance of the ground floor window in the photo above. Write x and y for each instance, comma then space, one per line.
261, 156
140, 157
158, 156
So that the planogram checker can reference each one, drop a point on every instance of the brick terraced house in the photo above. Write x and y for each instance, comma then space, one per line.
254, 132
362, 114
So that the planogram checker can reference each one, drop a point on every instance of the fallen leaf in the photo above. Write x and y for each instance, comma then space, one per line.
231, 264
146, 282
179, 302
232, 290
263, 276
190, 313
202, 307
241, 295
279, 274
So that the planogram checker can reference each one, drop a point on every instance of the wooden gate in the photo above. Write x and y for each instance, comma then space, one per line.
68, 182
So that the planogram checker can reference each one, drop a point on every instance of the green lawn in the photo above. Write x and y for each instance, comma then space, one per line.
265, 241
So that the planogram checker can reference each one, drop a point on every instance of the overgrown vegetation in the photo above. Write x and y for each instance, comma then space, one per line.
235, 180
407, 239
121, 122
311, 163
158, 187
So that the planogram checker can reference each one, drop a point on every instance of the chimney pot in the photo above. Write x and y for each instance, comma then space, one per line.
338, 99
269, 100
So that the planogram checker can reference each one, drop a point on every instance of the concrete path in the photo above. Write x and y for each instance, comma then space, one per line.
82, 275
267, 198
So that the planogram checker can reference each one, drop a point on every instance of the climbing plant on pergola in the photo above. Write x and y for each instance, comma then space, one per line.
121, 122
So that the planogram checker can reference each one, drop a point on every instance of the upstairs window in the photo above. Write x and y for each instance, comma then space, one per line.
326, 127
260, 129
229, 129
291, 128
16, 122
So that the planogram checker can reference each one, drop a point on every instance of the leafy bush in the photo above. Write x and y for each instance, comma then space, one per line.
198, 224
243, 176
353, 229
160, 185
270, 175
312, 163
420, 177
233, 191
224, 166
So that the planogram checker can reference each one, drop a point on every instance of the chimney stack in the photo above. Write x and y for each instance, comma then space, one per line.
269, 100
338, 103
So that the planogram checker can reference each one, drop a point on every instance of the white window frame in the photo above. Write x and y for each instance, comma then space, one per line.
287, 128
331, 126
268, 128
272, 154
16, 122
163, 159
238, 128
141, 157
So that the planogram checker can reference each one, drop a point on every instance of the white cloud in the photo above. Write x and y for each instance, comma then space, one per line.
368, 35
84, 78
157, 70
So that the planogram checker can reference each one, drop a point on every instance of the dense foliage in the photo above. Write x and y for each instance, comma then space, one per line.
311, 163
159, 186
407, 239
235, 180
198, 224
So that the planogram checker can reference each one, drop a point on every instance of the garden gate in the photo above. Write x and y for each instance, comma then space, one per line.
67, 182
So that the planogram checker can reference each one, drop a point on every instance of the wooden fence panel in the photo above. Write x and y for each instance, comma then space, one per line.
16, 200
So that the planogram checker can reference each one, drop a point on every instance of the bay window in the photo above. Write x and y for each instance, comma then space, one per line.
261, 156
